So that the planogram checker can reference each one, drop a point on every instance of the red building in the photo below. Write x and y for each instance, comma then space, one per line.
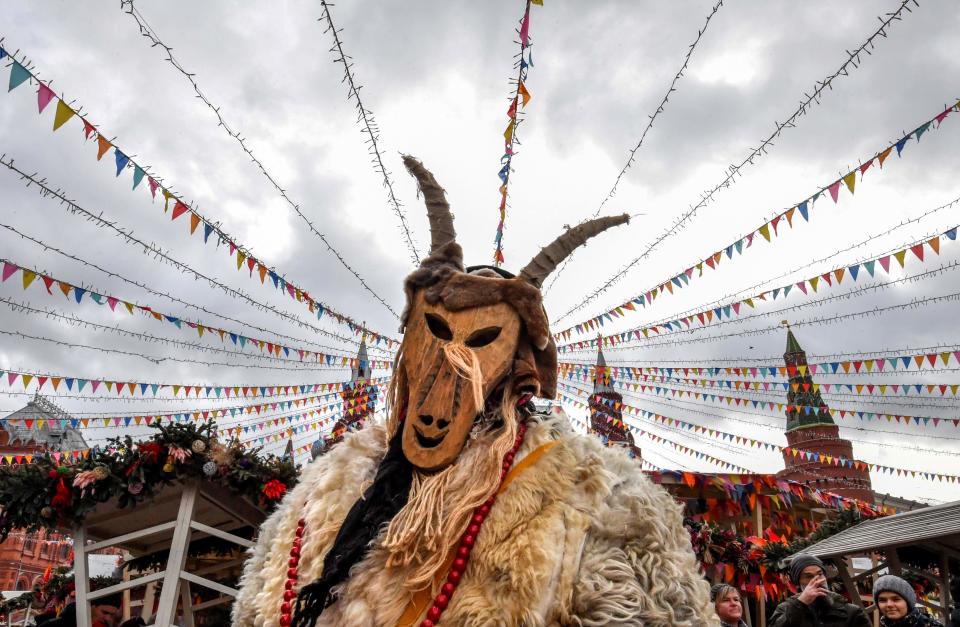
359, 402
606, 409
40, 427
810, 427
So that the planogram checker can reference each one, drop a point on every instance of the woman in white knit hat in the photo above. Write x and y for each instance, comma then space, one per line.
898, 604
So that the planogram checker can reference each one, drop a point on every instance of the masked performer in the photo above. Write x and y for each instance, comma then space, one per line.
468, 507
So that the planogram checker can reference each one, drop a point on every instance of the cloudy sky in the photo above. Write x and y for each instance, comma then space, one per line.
436, 77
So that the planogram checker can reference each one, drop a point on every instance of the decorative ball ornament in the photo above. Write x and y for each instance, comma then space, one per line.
198, 446
168, 467
101, 472
47, 512
210, 468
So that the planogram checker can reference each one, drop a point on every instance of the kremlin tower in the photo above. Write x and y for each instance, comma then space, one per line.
606, 409
810, 427
359, 402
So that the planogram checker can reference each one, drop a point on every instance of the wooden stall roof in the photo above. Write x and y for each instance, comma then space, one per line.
936, 527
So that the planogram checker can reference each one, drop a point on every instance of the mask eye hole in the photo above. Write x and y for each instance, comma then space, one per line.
438, 327
482, 337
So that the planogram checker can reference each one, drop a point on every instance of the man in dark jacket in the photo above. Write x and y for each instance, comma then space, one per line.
815, 605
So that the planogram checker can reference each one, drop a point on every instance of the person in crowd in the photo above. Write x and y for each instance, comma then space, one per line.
728, 604
898, 604
815, 605
104, 614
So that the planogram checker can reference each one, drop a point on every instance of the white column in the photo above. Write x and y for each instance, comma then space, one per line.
167, 608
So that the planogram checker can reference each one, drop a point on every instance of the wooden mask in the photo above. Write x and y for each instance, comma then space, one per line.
466, 330
446, 350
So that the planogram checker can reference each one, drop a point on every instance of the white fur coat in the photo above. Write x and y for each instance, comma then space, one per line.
581, 537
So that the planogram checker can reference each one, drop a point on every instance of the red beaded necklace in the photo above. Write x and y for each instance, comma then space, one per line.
459, 565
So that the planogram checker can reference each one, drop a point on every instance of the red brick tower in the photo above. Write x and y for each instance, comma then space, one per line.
359, 402
606, 409
811, 428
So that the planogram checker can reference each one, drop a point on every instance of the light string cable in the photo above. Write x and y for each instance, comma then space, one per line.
751, 444
245, 390
369, 126
659, 439
682, 279
100, 298
858, 260
59, 196
650, 120
673, 390
148, 32
157, 360
49, 247
731, 364
714, 322
852, 59
897, 390
681, 404
914, 303
124, 161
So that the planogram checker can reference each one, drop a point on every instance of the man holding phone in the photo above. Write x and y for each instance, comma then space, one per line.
815, 605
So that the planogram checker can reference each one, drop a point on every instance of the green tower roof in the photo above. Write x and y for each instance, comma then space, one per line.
793, 346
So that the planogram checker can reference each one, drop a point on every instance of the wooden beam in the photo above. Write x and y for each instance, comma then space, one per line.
186, 602
945, 588
894, 561
167, 608
208, 583
133, 535
81, 576
848, 582
215, 568
124, 585
212, 603
223, 535
758, 527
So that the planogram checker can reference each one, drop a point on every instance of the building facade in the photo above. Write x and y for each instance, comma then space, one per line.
606, 409
810, 427
40, 427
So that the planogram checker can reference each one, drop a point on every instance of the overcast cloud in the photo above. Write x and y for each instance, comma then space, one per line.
436, 77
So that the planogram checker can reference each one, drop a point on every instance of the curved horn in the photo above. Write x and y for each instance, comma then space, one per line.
550, 257
438, 210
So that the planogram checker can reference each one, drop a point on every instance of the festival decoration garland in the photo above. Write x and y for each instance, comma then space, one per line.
141, 388
736, 312
633, 152
521, 96
36, 182
653, 437
806, 410
19, 74
49, 247
675, 423
363, 113
51, 495
588, 373
74, 293
769, 230
924, 361
733, 171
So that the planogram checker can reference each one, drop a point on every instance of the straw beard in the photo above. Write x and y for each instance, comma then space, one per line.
441, 503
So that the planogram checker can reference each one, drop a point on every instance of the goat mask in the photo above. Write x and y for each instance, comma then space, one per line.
469, 332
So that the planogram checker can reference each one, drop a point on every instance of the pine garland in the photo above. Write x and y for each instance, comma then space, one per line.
49, 495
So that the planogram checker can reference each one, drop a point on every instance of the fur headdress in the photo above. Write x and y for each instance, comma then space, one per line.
443, 278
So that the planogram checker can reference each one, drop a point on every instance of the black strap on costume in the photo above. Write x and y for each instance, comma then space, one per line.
378, 505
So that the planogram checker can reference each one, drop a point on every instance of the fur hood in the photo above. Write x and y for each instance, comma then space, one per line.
581, 537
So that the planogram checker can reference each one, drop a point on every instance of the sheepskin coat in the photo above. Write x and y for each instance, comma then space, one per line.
580, 537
